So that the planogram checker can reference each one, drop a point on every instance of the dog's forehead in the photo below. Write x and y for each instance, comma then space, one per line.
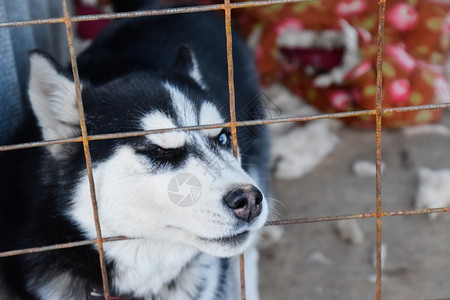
185, 112
190, 112
158, 120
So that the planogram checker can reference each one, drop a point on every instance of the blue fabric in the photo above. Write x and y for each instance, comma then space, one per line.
15, 43
10, 98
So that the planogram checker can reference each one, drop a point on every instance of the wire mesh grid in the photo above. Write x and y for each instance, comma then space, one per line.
227, 7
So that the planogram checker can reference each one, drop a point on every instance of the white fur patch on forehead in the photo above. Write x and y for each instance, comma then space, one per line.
210, 115
159, 120
184, 108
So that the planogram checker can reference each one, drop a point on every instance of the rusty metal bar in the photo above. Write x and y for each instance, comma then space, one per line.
60, 246
143, 13
231, 91
339, 115
109, 136
31, 22
39, 144
242, 274
220, 125
417, 107
188, 128
320, 219
256, 3
358, 216
87, 153
416, 211
229, 41
378, 119
269, 223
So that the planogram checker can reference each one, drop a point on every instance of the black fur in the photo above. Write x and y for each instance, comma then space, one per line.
130, 58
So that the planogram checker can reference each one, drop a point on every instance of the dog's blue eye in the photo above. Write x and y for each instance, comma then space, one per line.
223, 139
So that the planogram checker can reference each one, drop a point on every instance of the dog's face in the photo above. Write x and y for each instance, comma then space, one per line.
183, 187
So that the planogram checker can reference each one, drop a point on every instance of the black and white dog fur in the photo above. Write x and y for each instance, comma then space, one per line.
140, 74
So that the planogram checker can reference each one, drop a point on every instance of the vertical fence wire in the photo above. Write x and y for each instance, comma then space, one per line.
229, 43
378, 119
87, 154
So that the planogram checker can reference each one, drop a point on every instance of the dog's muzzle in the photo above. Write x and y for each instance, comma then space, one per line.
245, 201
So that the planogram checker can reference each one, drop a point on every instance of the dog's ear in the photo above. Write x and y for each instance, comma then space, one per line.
53, 99
186, 63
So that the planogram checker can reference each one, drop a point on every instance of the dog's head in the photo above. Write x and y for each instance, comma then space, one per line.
185, 187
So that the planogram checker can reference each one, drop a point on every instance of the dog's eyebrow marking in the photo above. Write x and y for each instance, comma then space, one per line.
210, 115
159, 120
183, 107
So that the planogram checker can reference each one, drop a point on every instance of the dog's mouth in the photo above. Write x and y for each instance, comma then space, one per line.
313, 50
326, 55
232, 240
320, 59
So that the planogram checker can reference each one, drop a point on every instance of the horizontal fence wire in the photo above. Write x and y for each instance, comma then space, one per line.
145, 13
339, 115
288, 222
378, 112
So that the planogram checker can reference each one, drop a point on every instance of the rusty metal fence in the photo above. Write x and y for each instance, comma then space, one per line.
227, 7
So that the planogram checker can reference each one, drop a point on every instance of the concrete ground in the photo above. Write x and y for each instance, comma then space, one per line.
312, 262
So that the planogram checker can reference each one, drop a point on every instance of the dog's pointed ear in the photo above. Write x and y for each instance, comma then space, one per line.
186, 63
53, 99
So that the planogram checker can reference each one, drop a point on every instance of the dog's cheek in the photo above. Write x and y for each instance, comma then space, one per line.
128, 196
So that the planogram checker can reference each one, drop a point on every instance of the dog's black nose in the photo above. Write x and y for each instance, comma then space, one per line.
245, 201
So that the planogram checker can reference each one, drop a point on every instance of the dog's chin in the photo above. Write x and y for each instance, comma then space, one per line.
226, 246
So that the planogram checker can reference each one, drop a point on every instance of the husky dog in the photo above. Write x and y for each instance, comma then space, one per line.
186, 203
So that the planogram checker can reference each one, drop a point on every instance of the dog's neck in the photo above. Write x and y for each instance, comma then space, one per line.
157, 270
142, 267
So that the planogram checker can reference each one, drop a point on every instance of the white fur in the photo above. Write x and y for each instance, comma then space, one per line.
195, 72
144, 266
133, 200
158, 120
183, 107
189, 279
134, 203
58, 286
53, 99
210, 115
434, 189
251, 257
